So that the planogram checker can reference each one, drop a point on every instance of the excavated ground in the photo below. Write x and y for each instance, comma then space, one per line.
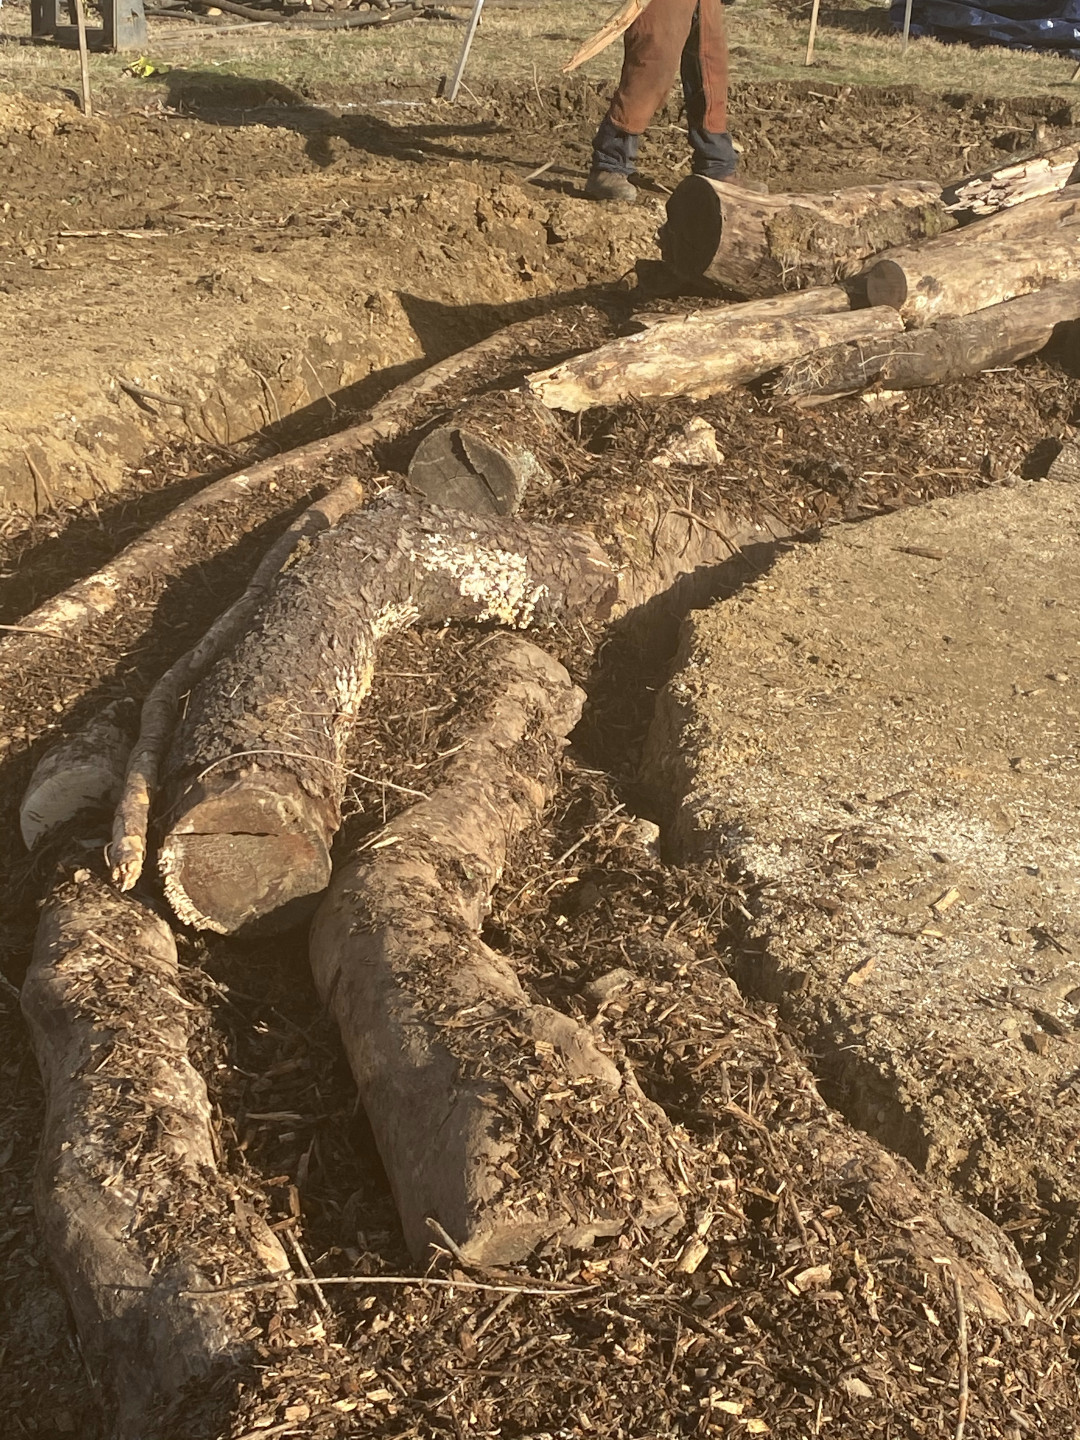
417, 238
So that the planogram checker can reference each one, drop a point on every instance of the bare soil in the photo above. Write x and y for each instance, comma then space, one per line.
408, 236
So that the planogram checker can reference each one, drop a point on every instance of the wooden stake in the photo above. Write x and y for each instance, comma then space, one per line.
84, 59
459, 72
813, 32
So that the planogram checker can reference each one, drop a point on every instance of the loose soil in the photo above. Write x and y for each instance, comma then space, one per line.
413, 255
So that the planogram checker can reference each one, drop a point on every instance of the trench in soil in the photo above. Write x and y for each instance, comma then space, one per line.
290, 1128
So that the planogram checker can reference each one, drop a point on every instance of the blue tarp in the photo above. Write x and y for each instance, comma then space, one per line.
1018, 24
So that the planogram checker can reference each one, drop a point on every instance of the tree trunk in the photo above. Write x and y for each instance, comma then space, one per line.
756, 245
256, 771
1015, 184
707, 352
486, 458
83, 773
1011, 254
130, 1202
505, 1121
950, 350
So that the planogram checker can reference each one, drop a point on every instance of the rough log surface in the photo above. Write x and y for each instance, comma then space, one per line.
131, 1205
704, 353
256, 773
480, 1100
488, 456
756, 245
1015, 184
127, 853
1013, 253
85, 772
956, 347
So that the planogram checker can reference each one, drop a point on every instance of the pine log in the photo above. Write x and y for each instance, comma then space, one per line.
488, 456
1013, 184
256, 771
756, 245
135, 795
478, 1123
1066, 465
1013, 253
83, 773
702, 354
949, 350
131, 1205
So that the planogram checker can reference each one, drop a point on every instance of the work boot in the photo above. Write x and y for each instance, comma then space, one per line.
610, 185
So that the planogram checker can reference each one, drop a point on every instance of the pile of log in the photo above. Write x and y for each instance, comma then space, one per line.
235, 780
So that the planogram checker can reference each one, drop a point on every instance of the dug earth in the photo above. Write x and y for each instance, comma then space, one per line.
880, 734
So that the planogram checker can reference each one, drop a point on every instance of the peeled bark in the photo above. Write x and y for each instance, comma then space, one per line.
755, 245
129, 1199
1015, 184
505, 1121
704, 353
486, 458
1011, 254
256, 772
950, 350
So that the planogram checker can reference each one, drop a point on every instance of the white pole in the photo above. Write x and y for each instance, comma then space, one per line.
474, 21
907, 26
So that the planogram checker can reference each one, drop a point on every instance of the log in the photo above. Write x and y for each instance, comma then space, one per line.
488, 456
1013, 253
950, 350
83, 773
704, 353
1066, 465
517, 1128
1014, 184
255, 778
756, 245
131, 1206
135, 795
256, 772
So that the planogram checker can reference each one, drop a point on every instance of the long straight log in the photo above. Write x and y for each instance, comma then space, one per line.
1010, 254
130, 1202
704, 353
517, 1128
256, 776
756, 245
1014, 184
950, 350
256, 772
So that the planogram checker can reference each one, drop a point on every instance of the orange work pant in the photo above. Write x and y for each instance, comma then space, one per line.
653, 48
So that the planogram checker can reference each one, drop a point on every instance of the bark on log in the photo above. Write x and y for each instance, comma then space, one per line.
471, 1119
755, 245
1010, 254
257, 776
950, 350
83, 773
1014, 184
704, 353
129, 1199
127, 853
491, 452
1066, 465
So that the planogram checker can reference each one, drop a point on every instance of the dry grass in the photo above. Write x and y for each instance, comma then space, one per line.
528, 43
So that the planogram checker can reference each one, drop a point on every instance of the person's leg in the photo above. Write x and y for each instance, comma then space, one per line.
704, 73
651, 50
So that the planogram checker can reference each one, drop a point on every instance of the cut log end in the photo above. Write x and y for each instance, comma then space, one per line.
695, 222
886, 284
249, 856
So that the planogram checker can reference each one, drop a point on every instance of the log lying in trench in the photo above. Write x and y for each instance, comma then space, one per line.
1007, 185
1010, 254
702, 354
756, 245
130, 1203
84, 772
256, 771
505, 1121
488, 455
256, 778
950, 350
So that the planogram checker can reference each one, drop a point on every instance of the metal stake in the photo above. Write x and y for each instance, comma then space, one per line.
474, 21
907, 26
